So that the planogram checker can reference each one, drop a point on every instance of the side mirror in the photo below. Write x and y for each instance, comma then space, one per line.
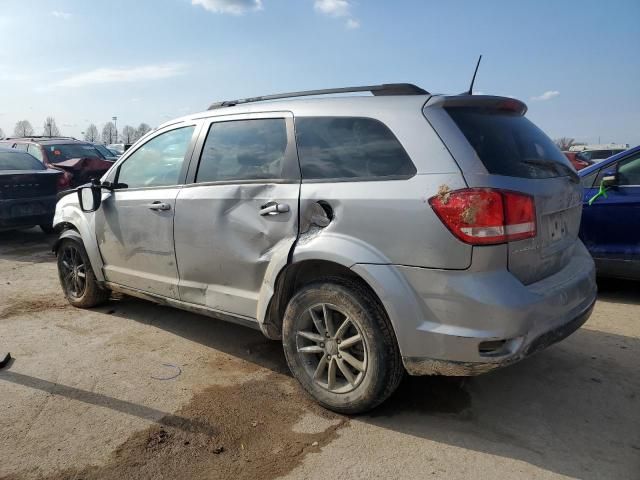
90, 198
609, 180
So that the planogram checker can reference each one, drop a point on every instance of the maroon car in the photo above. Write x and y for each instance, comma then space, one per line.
80, 161
578, 163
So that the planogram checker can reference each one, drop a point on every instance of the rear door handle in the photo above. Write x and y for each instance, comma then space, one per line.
159, 206
273, 208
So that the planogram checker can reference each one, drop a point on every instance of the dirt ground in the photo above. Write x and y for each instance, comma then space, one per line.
135, 390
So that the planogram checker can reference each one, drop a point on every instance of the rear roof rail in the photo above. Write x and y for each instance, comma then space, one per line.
377, 90
41, 137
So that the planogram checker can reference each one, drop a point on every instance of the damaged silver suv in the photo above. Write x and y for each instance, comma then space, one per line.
373, 234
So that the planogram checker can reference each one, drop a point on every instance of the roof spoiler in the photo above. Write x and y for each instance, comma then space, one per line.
507, 104
377, 90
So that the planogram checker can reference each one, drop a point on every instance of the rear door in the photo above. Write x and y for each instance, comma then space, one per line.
610, 229
497, 146
238, 210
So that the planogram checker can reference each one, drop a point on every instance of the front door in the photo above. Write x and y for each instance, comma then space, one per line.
134, 225
239, 210
610, 228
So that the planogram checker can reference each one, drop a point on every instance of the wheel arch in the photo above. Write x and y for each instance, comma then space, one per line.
73, 223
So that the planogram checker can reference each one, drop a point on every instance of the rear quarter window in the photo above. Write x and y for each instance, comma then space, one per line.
509, 144
343, 148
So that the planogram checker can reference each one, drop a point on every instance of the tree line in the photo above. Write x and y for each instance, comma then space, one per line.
109, 134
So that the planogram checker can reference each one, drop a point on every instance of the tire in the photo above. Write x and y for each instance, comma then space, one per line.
81, 288
365, 372
47, 228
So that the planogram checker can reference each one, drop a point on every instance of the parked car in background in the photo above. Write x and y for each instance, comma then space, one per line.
577, 163
27, 191
610, 226
105, 152
373, 235
119, 148
595, 156
80, 161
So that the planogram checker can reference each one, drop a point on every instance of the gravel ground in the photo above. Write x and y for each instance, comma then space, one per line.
136, 390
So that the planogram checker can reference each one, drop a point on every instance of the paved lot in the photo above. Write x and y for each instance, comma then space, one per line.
135, 390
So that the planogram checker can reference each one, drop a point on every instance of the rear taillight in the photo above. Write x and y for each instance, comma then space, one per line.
64, 181
486, 216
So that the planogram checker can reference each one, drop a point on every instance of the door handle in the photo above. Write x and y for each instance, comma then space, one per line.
273, 208
159, 206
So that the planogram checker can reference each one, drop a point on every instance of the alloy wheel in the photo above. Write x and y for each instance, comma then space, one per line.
73, 271
332, 348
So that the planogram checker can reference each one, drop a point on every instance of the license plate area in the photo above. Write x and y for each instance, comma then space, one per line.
27, 209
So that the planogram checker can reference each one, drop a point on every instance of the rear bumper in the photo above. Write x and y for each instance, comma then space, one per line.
469, 322
27, 211
428, 366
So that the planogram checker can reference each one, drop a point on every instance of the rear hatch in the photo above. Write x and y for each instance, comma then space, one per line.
497, 147
16, 184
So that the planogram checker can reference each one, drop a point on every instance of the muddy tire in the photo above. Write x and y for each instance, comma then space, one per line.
340, 346
76, 276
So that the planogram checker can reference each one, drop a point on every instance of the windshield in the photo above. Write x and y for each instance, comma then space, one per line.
509, 144
67, 151
19, 161
104, 151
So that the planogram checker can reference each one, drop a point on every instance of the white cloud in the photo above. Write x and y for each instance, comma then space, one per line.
548, 95
62, 15
336, 8
234, 7
113, 75
352, 24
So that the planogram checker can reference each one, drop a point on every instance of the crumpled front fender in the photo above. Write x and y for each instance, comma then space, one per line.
68, 216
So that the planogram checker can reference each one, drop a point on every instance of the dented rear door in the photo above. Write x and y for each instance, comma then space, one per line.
239, 210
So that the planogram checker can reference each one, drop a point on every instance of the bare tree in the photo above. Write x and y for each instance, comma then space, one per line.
91, 134
50, 128
142, 130
23, 129
564, 143
1, 133
109, 133
128, 134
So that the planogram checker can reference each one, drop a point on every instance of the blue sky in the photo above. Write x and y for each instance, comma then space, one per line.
575, 63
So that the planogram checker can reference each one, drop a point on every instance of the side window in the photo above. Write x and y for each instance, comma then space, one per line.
243, 150
158, 162
36, 151
349, 148
587, 181
629, 171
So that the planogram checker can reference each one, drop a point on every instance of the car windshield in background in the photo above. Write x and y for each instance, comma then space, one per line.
19, 161
67, 151
104, 151
509, 144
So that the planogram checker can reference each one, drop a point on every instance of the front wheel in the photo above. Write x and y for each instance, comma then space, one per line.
77, 279
340, 346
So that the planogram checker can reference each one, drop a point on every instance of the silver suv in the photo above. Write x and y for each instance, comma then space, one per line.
399, 231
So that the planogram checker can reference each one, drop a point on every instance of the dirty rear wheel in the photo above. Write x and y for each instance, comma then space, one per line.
340, 346
76, 276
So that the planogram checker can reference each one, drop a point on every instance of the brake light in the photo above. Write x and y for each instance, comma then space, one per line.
64, 181
486, 216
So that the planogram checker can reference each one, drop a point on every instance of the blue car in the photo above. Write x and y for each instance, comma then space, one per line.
610, 226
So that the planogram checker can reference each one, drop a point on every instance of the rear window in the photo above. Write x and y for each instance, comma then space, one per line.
19, 161
350, 148
509, 144
67, 151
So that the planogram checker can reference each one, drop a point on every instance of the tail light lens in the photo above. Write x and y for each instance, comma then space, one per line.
64, 181
485, 216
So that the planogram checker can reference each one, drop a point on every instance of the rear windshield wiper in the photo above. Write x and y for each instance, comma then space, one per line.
558, 167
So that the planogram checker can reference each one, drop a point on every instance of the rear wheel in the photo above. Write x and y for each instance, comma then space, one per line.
77, 279
340, 346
